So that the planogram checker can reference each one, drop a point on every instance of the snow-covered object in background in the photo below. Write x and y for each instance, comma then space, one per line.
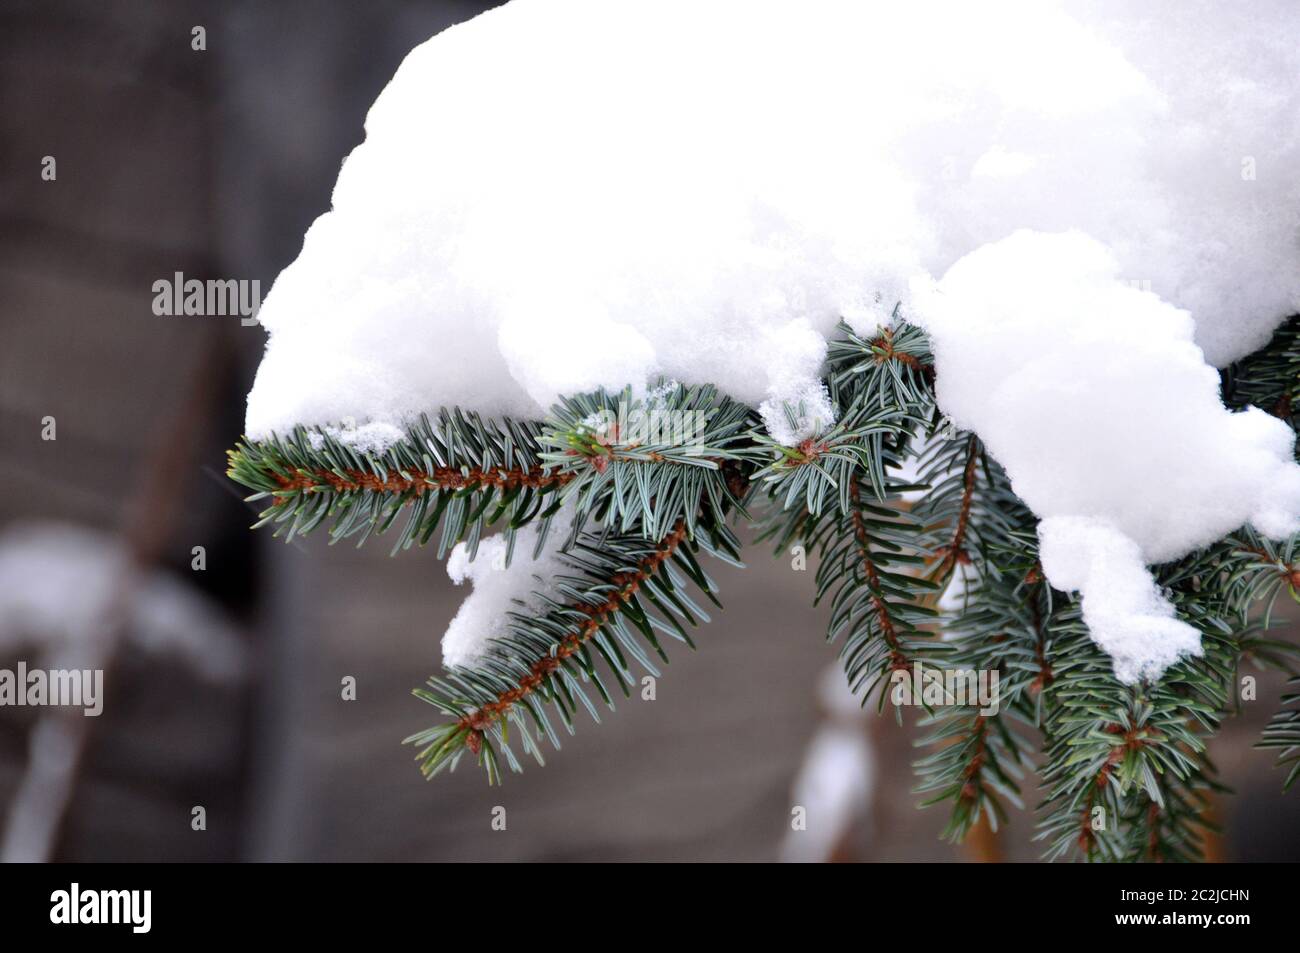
565, 194
956, 596
68, 592
835, 784
1097, 401
59, 581
561, 194
501, 585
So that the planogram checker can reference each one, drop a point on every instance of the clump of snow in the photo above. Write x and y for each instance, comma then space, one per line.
801, 412
373, 437
503, 582
566, 194
1126, 614
1096, 399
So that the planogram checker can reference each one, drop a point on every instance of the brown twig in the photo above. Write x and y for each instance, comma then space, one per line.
955, 551
1290, 572
1132, 740
883, 345
440, 478
1045, 674
626, 585
898, 660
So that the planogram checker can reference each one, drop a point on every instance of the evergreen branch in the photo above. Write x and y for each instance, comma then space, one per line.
1133, 756
892, 368
1283, 731
979, 757
624, 591
624, 587
648, 463
883, 387
954, 552
465, 473
1125, 748
875, 603
1259, 570
1000, 626
826, 467
1269, 378
884, 615
413, 480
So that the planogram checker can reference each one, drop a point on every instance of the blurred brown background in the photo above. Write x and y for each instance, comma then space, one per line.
213, 163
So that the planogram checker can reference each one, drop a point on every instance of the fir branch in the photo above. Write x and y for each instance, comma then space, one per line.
1283, 731
954, 552
647, 502
414, 480
624, 587
892, 368
623, 592
883, 388
648, 463
883, 613
1123, 748
1000, 627
1269, 378
876, 603
1259, 570
825, 468
464, 473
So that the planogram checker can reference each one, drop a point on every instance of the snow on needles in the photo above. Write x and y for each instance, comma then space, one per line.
503, 582
1094, 397
565, 194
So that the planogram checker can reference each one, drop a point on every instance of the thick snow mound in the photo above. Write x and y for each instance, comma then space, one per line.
1088, 203
1097, 401
561, 194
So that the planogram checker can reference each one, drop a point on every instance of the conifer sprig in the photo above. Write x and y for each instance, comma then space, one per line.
652, 481
1283, 732
651, 461
463, 472
618, 599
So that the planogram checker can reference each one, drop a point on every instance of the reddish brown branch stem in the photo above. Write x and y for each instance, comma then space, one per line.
1045, 675
1285, 408
883, 344
971, 785
441, 478
1131, 740
626, 585
897, 659
955, 551
1290, 572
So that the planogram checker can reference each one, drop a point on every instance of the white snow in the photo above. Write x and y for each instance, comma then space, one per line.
564, 194
1125, 612
835, 783
501, 586
373, 437
58, 585
561, 194
1099, 404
